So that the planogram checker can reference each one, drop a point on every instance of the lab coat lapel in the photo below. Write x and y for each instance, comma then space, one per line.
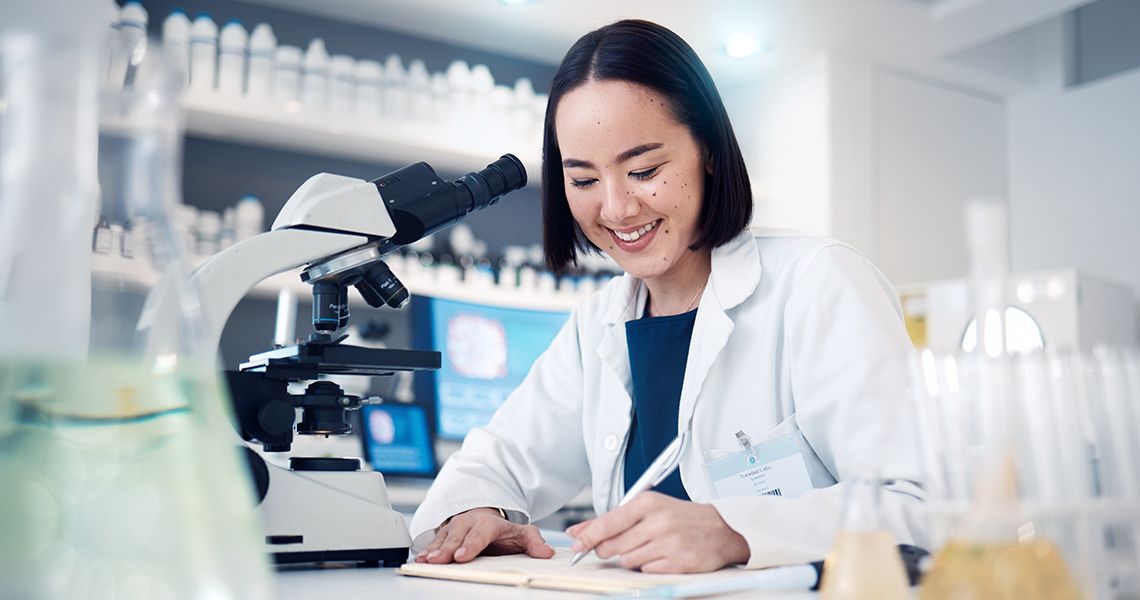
616, 401
734, 277
613, 349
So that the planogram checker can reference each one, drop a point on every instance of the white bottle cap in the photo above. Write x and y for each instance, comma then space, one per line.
481, 79
316, 57
204, 29
524, 90
262, 38
418, 75
369, 71
233, 36
176, 27
394, 68
459, 76
133, 15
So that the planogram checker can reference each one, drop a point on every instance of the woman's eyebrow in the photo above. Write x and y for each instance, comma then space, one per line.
624, 156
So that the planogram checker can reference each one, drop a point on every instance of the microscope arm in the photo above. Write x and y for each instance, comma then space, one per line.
224, 278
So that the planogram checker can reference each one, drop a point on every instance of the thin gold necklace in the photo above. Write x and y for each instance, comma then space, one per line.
692, 302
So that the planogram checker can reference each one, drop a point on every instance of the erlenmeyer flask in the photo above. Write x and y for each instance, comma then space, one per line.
864, 561
121, 472
986, 560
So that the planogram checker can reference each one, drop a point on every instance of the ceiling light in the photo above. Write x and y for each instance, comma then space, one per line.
514, 1
742, 47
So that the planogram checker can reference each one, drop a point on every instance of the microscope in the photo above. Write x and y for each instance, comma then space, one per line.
338, 229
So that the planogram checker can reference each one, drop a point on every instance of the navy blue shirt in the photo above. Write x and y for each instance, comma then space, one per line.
658, 349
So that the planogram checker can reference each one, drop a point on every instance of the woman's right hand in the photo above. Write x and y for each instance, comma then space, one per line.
483, 531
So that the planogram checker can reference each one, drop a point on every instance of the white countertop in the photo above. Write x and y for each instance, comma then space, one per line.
348, 583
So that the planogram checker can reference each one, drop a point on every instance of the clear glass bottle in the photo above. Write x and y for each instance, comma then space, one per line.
120, 467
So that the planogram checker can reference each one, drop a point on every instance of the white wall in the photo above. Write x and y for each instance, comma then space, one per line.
937, 147
877, 158
1074, 178
794, 141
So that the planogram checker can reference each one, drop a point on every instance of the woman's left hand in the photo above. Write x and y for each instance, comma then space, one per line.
661, 534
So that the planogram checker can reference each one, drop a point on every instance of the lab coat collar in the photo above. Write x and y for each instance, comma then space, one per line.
735, 275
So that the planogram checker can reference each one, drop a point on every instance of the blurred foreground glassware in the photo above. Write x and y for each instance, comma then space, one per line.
121, 478
1005, 453
864, 561
1063, 518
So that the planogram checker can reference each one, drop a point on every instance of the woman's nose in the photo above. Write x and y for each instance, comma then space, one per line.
619, 204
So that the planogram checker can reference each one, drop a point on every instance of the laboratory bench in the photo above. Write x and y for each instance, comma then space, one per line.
347, 583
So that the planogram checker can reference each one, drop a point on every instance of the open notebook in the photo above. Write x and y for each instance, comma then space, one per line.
593, 575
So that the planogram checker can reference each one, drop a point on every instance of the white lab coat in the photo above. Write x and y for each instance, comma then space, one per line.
793, 332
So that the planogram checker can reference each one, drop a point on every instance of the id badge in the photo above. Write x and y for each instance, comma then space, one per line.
774, 468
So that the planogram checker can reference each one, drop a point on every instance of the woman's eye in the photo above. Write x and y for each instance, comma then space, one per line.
582, 183
646, 174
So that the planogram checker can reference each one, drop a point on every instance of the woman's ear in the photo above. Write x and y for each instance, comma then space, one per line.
708, 162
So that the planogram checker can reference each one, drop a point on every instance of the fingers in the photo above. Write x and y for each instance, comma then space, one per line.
615, 522
573, 530
436, 542
627, 541
643, 556
477, 538
456, 533
469, 534
534, 545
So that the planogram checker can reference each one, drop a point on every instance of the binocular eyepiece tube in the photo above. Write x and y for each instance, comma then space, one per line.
420, 203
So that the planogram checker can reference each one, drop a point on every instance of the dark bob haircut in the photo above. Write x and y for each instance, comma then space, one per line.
650, 55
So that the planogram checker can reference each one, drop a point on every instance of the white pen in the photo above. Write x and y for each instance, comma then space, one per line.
655, 473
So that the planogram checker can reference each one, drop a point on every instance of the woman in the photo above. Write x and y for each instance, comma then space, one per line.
792, 340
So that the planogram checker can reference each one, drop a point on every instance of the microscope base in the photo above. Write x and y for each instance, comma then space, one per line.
332, 516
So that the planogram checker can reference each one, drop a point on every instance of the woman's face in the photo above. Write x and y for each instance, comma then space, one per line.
633, 174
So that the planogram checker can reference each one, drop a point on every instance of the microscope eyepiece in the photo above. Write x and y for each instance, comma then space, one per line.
422, 203
500, 177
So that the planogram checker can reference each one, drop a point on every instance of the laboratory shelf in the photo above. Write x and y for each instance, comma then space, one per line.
290, 127
131, 272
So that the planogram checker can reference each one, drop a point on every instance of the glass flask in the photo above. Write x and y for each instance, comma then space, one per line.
120, 468
995, 454
864, 560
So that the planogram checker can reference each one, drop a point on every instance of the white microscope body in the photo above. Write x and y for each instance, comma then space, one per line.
323, 509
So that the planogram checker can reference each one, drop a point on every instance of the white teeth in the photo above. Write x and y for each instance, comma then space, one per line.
633, 236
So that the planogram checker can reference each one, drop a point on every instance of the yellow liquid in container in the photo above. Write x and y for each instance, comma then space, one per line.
864, 564
999, 571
